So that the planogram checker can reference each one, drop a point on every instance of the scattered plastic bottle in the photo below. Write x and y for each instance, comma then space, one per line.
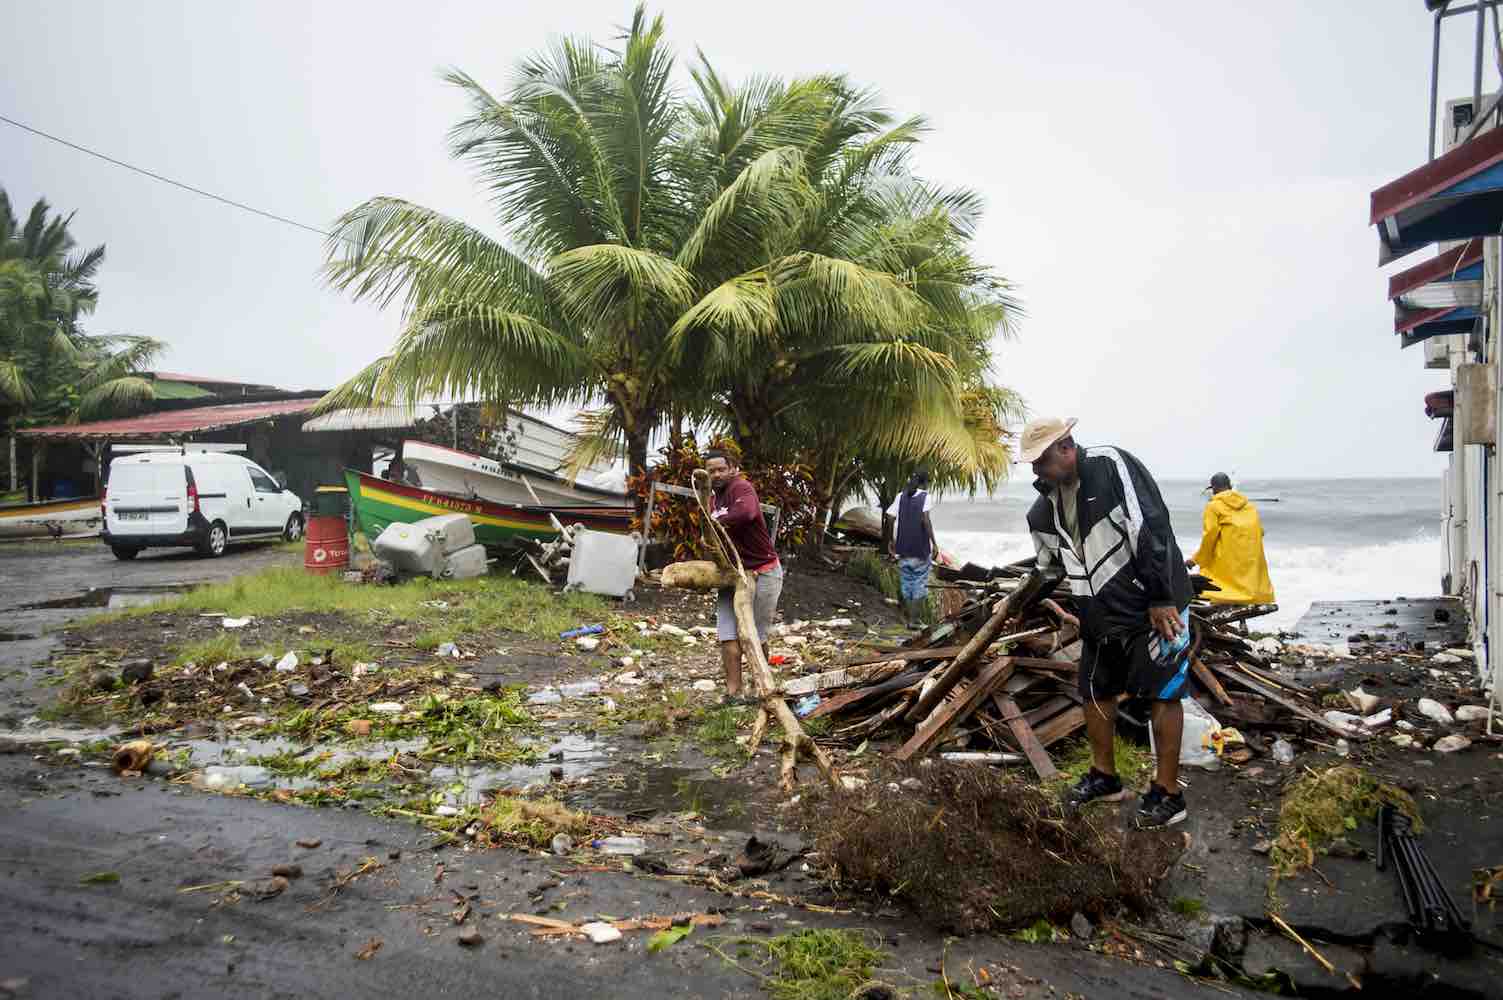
1283, 751
631, 846
805, 705
574, 633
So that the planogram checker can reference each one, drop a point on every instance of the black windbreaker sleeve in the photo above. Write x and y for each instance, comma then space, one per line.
1157, 560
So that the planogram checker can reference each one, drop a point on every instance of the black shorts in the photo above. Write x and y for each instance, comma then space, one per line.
1140, 664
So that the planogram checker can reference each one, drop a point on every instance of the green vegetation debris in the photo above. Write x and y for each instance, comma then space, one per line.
533, 822
100, 878
1040, 931
1322, 805
1186, 906
815, 964
718, 729
668, 938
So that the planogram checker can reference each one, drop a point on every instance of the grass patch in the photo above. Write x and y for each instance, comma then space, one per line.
718, 728
1323, 805
484, 727
487, 604
215, 649
1135, 765
1019, 857
870, 568
814, 964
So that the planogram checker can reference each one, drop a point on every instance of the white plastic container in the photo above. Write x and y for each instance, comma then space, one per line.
466, 563
603, 563
454, 531
410, 549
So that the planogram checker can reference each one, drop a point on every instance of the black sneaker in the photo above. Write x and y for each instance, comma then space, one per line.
1159, 809
1094, 787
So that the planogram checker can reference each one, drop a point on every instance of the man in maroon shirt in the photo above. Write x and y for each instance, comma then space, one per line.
738, 509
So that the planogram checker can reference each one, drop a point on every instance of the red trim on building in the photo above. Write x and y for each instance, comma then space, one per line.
1440, 267
1469, 158
168, 422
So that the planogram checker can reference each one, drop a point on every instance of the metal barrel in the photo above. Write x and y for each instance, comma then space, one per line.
327, 549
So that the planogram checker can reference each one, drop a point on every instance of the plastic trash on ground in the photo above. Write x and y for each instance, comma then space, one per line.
1198, 742
630, 846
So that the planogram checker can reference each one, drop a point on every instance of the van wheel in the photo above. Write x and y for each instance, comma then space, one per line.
214, 544
123, 553
294, 529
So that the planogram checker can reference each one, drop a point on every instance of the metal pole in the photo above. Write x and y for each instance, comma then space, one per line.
1477, 61
1434, 81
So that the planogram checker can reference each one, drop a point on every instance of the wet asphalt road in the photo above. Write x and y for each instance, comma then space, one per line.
45, 585
144, 937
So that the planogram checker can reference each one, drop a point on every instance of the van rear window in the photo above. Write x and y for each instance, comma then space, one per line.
166, 480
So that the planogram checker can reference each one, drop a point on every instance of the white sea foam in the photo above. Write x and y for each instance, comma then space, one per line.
1301, 573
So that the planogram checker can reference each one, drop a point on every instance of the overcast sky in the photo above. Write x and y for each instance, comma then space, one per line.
1180, 191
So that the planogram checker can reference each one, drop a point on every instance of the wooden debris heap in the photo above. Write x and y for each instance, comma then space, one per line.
988, 679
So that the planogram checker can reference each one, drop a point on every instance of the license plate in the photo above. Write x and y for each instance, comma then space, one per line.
132, 515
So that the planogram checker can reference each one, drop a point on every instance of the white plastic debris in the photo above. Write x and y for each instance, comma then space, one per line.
1344, 721
837, 623
1268, 647
1452, 743
673, 630
1462, 653
1405, 725
688, 640
1382, 718
287, 664
1435, 711
448, 649
386, 707
851, 782
703, 631
446, 811
1471, 713
361, 669
244, 689
630, 679
1283, 751
235, 622
1445, 658
795, 641
600, 932
588, 643
1401, 740
1362, 703
704, 685
626, 662
266, 660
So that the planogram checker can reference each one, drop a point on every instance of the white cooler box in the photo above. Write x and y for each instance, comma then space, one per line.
466, 563
603, 563
420, 547
454, 531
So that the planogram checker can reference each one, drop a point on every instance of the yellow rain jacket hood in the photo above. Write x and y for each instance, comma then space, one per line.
1231, 551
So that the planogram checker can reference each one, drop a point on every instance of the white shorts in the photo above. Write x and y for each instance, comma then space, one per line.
764, 605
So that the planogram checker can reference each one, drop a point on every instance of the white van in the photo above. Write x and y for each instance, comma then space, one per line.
205, 499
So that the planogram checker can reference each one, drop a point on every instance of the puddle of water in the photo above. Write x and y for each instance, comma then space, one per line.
654, 791
51, 734
110, 598
16, 637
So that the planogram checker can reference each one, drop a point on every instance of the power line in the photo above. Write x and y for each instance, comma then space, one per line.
167, 180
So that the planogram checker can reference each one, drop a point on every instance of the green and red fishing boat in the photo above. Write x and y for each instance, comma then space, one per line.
380, 502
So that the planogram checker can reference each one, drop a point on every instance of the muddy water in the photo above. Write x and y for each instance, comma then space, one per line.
108, 598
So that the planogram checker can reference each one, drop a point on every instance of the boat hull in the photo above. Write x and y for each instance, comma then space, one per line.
380, 502
446, 470
51, 517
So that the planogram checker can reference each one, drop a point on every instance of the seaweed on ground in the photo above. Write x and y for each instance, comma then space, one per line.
975, 849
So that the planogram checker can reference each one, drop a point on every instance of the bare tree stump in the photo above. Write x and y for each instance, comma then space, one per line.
773, 704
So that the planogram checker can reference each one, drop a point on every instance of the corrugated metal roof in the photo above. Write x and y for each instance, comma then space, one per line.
196, 420
179, 377
380, 418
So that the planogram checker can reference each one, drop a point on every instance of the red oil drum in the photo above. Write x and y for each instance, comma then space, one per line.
328, 545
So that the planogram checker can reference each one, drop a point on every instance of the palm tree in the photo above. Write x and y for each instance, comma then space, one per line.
46, 358
632, 218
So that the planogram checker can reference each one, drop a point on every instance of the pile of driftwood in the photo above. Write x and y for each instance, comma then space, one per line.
1000, 675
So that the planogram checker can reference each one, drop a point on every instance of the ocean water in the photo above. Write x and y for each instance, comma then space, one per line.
1326, 539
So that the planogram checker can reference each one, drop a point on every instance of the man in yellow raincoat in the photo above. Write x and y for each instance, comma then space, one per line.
1231, 548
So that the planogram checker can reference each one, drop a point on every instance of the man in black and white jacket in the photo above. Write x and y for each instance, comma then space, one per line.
1101, 519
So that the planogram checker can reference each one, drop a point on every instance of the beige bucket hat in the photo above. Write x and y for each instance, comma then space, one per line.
1039, 434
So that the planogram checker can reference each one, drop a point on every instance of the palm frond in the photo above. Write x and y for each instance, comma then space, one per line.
596, 285
15, 387
116, 397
